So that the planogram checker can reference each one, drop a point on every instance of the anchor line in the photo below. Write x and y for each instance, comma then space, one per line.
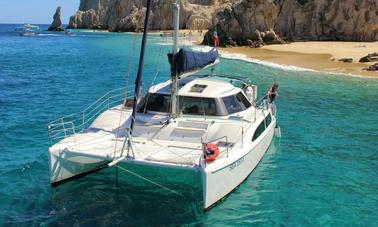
150, 181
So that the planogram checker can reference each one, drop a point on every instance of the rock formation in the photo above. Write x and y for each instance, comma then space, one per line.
242, 20
346, 60
128, 15
372, 68
352, 20
56, 25
372, 57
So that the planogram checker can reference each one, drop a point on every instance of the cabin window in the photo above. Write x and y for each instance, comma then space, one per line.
243, 100
232, 104
260, 129
197, 106
268, 120
156, 102
263, 125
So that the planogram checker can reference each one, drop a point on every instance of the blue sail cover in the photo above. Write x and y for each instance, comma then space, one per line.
188, 60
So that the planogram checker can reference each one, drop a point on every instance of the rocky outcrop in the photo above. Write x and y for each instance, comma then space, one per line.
352, 20
372, 57
56, 25
346, 60
372, 68
240, 20
128, 15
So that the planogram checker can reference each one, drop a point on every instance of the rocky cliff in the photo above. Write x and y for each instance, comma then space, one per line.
354, 20
128, 15
241, 20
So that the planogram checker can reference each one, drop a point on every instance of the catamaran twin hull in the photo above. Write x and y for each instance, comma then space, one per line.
74, 156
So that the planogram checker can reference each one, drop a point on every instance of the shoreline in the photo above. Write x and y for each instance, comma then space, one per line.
320, 56
314, 55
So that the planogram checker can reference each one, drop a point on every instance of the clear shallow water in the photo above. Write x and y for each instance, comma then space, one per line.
322, 172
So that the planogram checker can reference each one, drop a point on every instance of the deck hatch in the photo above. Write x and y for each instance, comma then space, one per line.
198, 88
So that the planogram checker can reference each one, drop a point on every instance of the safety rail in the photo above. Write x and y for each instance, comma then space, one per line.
78, 122
263, 102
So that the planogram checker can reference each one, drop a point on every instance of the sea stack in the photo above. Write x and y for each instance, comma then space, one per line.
56, 25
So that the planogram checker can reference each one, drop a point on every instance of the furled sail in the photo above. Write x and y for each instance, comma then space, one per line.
188, 60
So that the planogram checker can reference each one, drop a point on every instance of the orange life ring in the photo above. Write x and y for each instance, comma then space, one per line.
211, 152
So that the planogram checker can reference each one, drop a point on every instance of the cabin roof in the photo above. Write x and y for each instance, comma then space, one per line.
207, 88
199, 87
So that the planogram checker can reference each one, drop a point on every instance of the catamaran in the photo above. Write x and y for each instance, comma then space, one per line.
209, 129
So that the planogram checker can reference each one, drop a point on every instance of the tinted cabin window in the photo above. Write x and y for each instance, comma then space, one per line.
268, 120
263, 125
242, 99
197, 106
232, 104
259, 131
156, 102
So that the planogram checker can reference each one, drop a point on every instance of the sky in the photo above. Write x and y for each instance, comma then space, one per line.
35, 11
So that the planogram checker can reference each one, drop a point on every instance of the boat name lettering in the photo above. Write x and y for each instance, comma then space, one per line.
236, 163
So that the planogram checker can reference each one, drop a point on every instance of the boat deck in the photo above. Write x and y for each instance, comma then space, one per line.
178, 142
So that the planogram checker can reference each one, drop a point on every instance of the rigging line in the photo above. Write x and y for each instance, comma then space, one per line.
117, 132
158, 53
150, 181
129, 67
126, 92
130, 59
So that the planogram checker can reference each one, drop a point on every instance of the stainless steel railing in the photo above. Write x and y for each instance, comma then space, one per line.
263, 103
78, 122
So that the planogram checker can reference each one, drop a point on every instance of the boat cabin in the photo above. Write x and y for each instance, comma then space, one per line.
199, 96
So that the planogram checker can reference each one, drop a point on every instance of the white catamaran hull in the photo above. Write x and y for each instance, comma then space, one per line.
218, 183
67, 164
179, 180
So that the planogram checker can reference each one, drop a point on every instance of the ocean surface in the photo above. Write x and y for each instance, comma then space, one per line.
323, 171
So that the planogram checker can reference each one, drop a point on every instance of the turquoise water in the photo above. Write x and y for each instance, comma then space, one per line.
322, 172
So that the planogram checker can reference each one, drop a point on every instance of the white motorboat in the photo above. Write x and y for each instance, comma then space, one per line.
27, 30
205, 131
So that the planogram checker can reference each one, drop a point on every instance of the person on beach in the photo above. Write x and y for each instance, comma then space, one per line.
272, 92
215, 39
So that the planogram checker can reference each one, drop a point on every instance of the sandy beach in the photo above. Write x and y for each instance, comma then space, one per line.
320, 56
194, 36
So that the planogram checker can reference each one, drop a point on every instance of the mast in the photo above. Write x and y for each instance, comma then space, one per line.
176, 25
138, 79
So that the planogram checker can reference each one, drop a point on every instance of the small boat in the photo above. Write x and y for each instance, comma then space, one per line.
27, 30
196, 130
69, 32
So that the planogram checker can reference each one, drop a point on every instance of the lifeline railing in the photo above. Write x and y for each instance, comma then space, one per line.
78, 122
263, 102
